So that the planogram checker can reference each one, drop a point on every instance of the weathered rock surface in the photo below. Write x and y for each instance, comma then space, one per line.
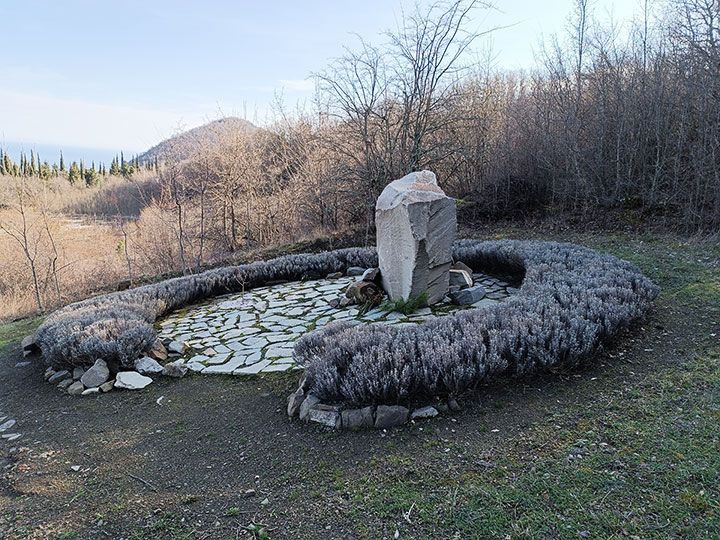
147, 365
354, 271
357, 418
295, 400
390, 415
465, 297
424, 412
309, 402
459, 265
158, 351
416, 226
176, 369
177, 347
460, 278
59, 376
131, 380
372, 275
96, 375
326, 418
78, 372
334, 275
106, 387
63, 385
76, 388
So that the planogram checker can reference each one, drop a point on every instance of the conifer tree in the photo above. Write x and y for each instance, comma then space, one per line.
62, 162
73, 173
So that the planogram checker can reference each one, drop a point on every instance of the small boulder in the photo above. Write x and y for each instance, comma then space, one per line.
334, 275
325, 417
77, 373
177, 347
89, 391
365, 292
96, 375
158, 351
76, 388
309, 402
106, 387
424, 412
131, 380
295, 400
62, 385
176, 369
372, 275
357, 418
390, 415
460, 279
147, 365
49, 372
355, 271
59, 376
469, 296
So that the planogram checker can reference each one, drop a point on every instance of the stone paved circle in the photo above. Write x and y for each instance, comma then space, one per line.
255, 331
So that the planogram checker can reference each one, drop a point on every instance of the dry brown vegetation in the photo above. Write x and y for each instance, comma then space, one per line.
612, 123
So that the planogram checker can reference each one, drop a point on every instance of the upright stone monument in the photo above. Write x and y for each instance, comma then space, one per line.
416, 227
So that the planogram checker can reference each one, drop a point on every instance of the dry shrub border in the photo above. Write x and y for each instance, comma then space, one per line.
571, 301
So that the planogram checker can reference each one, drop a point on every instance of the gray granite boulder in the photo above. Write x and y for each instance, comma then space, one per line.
147, 365
416, 227
357, 418
390, 415
176, 369
96, 375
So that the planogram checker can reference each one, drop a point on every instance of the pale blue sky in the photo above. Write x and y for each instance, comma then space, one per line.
125, 75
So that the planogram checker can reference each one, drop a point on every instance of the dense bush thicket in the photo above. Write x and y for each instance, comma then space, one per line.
571, 301
118, 327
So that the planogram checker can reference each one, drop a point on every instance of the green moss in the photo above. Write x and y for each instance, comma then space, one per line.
406, 307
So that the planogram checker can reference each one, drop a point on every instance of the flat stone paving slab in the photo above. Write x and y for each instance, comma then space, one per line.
255, 331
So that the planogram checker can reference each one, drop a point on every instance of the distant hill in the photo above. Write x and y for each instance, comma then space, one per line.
180, 146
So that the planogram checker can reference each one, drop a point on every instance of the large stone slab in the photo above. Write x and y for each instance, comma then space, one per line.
416, 226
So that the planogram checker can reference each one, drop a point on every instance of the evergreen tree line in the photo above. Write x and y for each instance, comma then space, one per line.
77, 173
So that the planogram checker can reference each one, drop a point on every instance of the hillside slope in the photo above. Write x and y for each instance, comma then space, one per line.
180, 146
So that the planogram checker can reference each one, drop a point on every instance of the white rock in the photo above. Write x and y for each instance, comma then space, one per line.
147, 365
131, 380
416, 226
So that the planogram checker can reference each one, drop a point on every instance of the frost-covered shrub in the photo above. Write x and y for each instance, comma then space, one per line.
118, 327
572, 300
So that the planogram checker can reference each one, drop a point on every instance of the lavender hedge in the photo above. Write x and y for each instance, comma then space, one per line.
118, 327
572, 300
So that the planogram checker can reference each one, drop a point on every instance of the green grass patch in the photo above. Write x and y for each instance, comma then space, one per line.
16, 331
406, 307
